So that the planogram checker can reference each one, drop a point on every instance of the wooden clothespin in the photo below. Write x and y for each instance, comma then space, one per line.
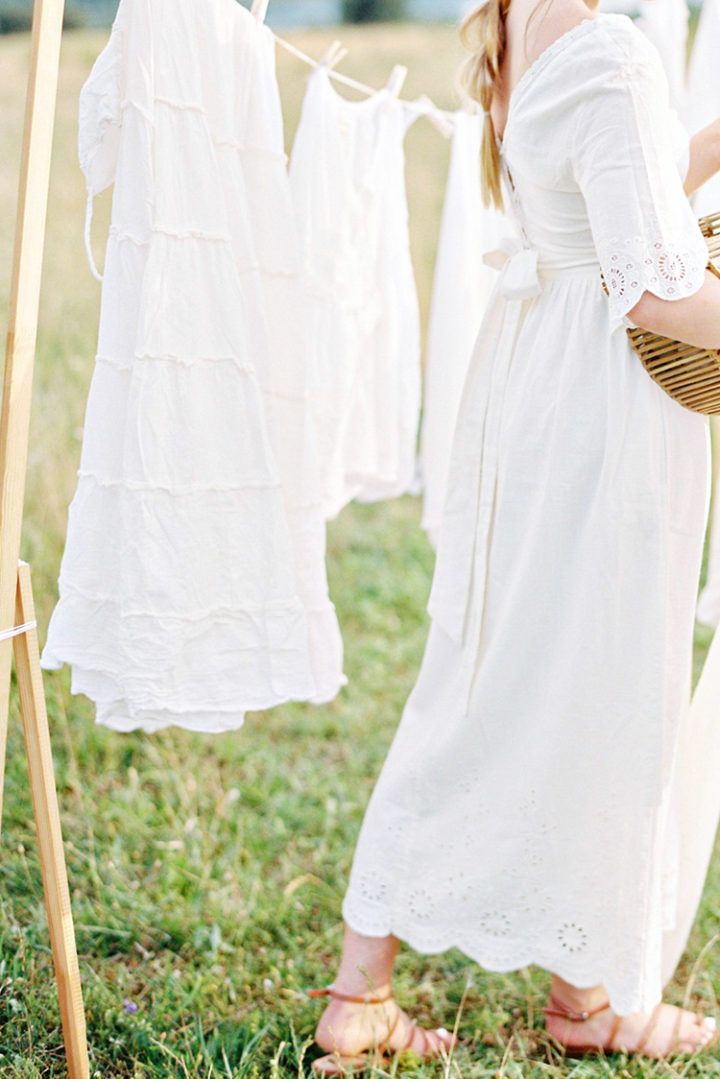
259, 9
397, 78
333, 56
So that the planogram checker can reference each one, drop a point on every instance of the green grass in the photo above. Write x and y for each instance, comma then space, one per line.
207, 873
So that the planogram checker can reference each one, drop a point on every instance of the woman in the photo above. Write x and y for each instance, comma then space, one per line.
529, 809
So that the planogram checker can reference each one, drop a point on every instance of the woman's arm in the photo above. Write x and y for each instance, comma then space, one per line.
704, 157
694, 319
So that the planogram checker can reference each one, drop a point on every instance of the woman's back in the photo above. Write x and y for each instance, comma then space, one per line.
530, 29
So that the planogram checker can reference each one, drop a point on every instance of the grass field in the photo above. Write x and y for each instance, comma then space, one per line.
207, 873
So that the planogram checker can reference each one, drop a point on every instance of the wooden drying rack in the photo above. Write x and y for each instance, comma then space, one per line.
18, 631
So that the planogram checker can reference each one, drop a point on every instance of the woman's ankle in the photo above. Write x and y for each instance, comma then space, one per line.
575, 999
360, 990
366, 965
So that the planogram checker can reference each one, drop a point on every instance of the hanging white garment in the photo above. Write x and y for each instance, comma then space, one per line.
703, 106
708, 605
192, 585
543, 748
462, 286
703, 93
665, 24
695, 806
347, 174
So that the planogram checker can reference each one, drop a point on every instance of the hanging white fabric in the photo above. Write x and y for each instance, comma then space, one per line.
665, 24
193, 581
708, 605
703, 93
462, 286
348, 183
702, 107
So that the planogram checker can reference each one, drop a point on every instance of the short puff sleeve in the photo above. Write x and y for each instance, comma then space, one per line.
629, 164
100, 117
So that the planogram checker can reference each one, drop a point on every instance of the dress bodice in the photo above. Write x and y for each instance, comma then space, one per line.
596, 159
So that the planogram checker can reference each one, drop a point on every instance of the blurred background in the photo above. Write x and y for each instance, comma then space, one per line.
15, 14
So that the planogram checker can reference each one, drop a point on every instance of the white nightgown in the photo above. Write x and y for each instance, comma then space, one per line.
347, 173
193, 584
526, 812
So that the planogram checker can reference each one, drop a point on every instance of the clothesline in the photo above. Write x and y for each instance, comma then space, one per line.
316, 63
422, 106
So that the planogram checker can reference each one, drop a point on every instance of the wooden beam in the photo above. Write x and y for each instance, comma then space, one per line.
23, 319
47, 822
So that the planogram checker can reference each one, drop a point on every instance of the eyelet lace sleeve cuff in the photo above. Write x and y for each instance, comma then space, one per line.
633, 266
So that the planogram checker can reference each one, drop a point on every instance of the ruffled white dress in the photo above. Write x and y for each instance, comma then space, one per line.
193, 585
531, 807
347, 173
462, 286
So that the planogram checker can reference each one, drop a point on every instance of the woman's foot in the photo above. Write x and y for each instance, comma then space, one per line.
350, 1029
583, 1022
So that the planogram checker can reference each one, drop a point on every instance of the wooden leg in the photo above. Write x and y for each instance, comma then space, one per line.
47, 820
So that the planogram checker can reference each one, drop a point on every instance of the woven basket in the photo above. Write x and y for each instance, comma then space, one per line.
691, 376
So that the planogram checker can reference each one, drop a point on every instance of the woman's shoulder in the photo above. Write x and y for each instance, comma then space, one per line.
605, 49
593, 67
622, 39
613, 40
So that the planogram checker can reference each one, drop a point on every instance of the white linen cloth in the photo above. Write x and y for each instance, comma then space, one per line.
708, 604
702, 104
462, 286
528, 809
665, 24
347, 173
192, 585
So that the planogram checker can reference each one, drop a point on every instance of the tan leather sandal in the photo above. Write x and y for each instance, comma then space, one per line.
613, 1044
376, 1056
557, 1008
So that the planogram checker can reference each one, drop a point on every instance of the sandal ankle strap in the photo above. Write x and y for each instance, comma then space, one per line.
556, 1007
331, 991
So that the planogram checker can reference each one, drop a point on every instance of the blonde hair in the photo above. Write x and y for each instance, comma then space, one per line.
482, 32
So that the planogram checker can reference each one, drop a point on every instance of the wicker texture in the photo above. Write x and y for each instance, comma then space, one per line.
691, 376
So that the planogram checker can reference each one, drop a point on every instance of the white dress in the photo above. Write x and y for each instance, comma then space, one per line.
347, 173
462, 286
192, 585
527, 811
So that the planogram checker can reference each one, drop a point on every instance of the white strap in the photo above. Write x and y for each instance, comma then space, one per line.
259, 9
442, 121
88, 245
6, 634
396, 80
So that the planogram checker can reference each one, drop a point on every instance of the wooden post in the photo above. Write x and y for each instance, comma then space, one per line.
23, 318
16, 604
47, 821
